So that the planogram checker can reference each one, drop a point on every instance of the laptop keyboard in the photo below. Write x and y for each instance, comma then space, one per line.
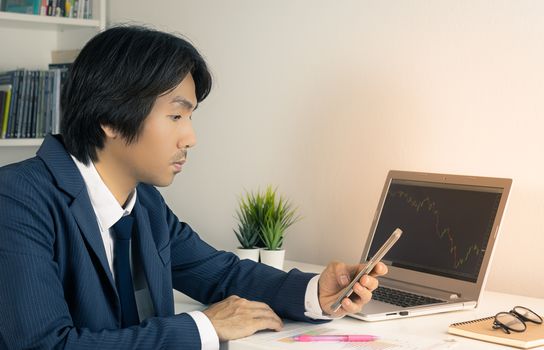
400, 298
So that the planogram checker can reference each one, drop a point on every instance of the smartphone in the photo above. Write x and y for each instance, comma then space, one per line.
369, 266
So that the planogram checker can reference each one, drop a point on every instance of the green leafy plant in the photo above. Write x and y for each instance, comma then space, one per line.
248, 227
267, 214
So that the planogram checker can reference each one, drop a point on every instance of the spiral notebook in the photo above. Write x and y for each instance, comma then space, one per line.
482, 329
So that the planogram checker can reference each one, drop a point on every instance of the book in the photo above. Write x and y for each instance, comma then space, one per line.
38, 131
4, 113
33, 114
21, 6
482, 329
3, 102
15, 95
20, 117
30, 102
43, 8
60, 8
51, 7
59, 66
57, 78
64, 56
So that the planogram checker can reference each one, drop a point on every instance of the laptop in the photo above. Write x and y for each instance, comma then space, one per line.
450, 225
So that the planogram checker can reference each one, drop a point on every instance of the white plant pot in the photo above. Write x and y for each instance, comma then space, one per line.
249, 253
273, 258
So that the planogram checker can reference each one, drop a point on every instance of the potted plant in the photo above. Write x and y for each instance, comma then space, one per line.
263, 219
248, 228
277, 216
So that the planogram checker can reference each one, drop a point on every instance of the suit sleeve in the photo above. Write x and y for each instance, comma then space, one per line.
34, 312
209, 276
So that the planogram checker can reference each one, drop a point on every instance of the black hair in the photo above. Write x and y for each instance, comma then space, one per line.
115, 81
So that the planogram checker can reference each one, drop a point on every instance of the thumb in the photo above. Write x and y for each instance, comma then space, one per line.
343, 280
343, 275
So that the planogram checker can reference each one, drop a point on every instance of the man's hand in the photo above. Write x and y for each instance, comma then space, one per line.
235, 318
337, 276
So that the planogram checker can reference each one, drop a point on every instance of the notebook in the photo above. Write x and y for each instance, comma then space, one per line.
482, 329
451, 224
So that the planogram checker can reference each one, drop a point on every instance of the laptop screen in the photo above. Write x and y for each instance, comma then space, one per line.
446, 227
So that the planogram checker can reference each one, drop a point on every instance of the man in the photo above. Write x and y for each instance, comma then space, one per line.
90, 252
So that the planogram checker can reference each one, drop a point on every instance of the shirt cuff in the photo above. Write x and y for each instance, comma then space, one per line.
208, 336
311, 301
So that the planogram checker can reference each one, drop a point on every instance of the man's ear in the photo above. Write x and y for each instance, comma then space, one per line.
110, 132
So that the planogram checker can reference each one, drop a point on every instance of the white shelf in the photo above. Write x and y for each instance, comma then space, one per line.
20, 142
62, 22
55, 33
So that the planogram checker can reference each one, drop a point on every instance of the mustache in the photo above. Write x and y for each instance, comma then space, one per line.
181, 156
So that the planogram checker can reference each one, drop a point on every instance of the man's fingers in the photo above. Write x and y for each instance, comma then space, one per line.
371, 283
363, 293
379, 270
268, 322
266, 312
362, 296
263, 317
343, 273
237, 317
259, 306
350, 306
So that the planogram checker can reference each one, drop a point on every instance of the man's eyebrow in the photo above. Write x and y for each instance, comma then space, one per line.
184, 102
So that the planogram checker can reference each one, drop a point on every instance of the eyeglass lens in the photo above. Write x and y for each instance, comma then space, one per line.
510, 321
527, 315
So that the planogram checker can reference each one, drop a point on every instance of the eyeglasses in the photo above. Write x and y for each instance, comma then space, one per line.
515, 319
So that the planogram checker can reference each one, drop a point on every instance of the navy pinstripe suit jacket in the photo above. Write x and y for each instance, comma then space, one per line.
57, 291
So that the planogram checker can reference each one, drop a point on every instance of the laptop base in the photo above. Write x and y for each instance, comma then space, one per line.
368, 313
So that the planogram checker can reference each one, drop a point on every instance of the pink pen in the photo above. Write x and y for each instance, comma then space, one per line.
339, 338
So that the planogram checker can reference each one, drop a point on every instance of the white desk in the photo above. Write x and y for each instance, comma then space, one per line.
430, 327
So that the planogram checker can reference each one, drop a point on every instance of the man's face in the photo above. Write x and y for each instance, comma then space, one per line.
161, 148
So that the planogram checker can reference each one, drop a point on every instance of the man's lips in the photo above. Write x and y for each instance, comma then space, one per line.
178, 164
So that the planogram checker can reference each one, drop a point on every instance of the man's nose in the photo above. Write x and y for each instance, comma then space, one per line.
188, 137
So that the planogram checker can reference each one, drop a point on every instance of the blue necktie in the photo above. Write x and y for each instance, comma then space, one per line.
121, 265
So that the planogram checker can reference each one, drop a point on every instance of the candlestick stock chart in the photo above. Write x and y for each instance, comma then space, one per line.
446, 228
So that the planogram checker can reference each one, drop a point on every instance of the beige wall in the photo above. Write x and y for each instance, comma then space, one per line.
322, 98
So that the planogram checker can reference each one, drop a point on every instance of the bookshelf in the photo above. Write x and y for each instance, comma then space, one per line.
60, 22
20, 142
26, 41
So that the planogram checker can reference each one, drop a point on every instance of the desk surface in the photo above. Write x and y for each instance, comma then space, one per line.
429, 327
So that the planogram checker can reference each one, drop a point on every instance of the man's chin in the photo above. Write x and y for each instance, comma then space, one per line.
162, 182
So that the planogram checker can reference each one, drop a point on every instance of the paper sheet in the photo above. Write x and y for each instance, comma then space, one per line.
283, 340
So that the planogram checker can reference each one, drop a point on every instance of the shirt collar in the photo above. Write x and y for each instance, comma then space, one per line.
106, 207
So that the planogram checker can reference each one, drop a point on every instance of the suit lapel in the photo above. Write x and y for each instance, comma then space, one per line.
69, 179
86, 220
151, 261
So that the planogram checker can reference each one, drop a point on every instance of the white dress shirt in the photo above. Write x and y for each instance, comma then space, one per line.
108, 211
